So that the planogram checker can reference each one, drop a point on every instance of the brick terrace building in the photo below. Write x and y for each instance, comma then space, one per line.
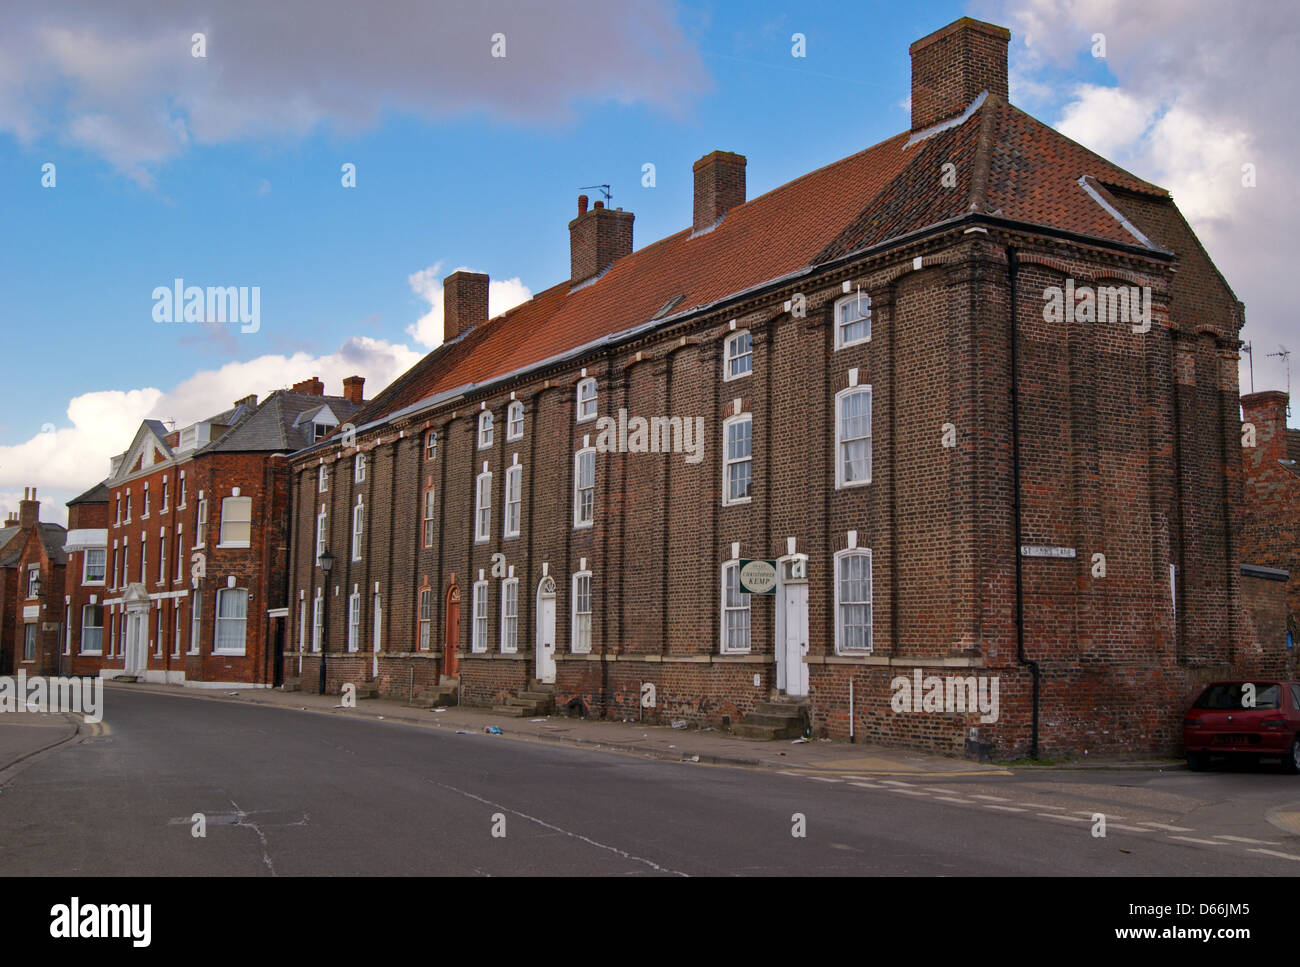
31, 576
197, 537
890, 413
86, 580
1270, 539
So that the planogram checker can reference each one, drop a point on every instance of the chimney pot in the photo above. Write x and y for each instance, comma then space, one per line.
953, 66
464, 303
719, 186
582, 205
29, 508
312, 387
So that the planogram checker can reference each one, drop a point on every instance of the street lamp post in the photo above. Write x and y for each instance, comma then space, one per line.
326, 562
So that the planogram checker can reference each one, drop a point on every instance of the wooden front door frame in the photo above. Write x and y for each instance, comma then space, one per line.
451, 638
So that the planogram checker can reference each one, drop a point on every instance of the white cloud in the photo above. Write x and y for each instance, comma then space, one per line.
1106, 119
119, 79
74, 456
427, 284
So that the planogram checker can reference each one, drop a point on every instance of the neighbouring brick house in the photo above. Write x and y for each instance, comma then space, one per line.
31, 576
951, 479
86, 580
1270, 536
197, 535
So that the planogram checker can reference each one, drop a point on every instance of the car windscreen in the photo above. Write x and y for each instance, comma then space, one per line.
1226, 696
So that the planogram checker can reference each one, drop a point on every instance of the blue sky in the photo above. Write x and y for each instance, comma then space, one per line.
162, 175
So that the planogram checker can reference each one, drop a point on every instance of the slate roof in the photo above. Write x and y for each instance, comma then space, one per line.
97, 494
277, 425
54, 536
1008, 166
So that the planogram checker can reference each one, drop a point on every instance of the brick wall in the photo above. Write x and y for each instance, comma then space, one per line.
1124, 440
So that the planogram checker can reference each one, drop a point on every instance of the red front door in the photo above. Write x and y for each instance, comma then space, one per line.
450, 666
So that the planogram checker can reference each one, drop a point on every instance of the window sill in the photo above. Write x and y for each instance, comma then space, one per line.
739, 501
229, 654
241, 546
851, 484
851, 344
732, 379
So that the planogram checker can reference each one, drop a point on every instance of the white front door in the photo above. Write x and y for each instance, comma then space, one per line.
796, 638
135, 645
374, 662
545, 642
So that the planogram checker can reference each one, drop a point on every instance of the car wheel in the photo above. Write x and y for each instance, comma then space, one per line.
1197, 761
1291, 761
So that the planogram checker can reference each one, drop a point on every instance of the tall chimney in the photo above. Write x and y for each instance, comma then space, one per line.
29, 508
352, 386
1267, 411
312, 387
953, 66
719, 186
464, 303
597, 238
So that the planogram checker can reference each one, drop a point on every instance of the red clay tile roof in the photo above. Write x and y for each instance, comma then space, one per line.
1006, 163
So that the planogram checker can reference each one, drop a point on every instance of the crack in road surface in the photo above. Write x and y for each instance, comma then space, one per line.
543, 823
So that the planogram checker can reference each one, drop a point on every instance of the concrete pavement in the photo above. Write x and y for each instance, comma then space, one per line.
27, 734
654, 741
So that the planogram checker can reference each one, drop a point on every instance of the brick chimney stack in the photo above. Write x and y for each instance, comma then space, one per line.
29, 508
1267, 411
352, 387
953, 66
312, 387
597, 238
719, 186
464, 303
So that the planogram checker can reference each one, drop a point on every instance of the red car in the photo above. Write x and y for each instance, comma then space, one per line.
1257, 719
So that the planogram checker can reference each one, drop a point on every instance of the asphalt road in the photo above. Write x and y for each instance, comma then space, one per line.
286, 793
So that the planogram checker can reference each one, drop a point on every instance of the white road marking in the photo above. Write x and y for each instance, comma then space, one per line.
1010, 809
1243, 839
964, 802
823, 779
1073, 819
1273, 852
976, 795
1170, 829
1193, 839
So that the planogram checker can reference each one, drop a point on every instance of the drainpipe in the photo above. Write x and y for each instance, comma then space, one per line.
1013, 271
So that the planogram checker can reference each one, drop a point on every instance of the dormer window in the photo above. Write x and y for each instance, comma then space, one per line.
853, 320
485, 429
320, 431
586, 400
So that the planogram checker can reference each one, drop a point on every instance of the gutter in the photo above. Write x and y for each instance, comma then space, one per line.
1013, 272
